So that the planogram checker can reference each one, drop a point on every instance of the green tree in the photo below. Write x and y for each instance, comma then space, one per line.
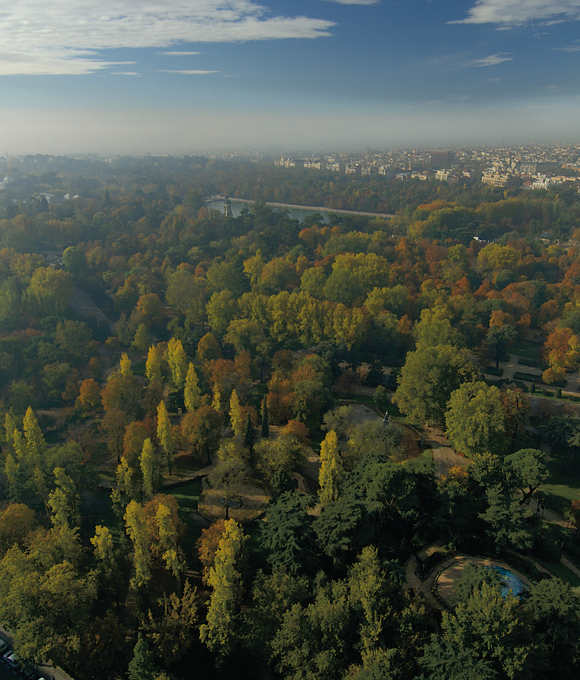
172, 628
475, 419
265, 420
141, 666
526, 470
287, 534
485, 635
429, 377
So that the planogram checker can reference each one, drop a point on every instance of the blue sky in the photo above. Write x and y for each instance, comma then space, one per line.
135, 76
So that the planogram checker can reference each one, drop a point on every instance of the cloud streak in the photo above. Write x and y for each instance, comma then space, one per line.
509, 13
63, 37
355, 2
492, 60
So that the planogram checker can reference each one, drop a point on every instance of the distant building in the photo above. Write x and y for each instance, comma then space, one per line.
499, 179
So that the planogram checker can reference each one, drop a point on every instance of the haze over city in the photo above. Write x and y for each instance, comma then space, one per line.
175, 77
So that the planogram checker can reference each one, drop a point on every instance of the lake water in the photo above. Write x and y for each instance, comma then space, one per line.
294, 213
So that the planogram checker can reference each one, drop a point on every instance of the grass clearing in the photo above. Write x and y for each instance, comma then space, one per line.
562, 572
188, 495
527, 349
562, 487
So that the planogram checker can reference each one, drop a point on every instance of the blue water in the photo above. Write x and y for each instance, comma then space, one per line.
509, 581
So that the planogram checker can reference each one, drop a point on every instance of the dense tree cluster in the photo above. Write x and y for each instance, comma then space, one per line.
224, 348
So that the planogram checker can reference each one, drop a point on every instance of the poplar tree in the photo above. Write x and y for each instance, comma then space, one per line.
136, 529
168, 541
331, 470
165, 434
148, 468
216, 403
236, 414
177, 362
153, 364
125, 365
225, 578
64, 502
191, 393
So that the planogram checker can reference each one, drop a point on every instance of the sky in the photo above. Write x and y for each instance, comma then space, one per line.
194, 76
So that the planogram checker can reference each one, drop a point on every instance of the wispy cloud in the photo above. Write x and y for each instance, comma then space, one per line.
509, 13
184, 72
568, 48
492, 60
66, 37
355, 2
127, 73
179, 54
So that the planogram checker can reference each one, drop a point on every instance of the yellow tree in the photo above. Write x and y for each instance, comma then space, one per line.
331, 470
225, 579
153, 364
136, 529
148, 465
216, 403
165, 434
168, 541
236, 414
125, 365
191, 393
177, 362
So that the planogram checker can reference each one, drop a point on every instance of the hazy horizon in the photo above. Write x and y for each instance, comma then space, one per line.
128, 78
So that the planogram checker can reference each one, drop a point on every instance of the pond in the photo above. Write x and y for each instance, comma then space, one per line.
509, 581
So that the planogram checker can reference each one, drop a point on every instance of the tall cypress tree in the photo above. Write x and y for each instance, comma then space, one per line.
249, 434
265, 419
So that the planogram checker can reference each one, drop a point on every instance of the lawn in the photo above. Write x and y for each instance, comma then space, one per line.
525, 348
562, 487
562, 572
188, 495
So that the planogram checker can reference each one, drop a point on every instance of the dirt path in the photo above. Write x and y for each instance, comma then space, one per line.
444, 457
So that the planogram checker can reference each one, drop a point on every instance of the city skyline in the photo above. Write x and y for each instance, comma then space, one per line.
178, 77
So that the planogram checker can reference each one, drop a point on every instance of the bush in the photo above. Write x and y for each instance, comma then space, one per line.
492, 370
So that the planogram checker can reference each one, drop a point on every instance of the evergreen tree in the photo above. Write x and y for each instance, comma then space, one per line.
265, 419
141, 666
249, 434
